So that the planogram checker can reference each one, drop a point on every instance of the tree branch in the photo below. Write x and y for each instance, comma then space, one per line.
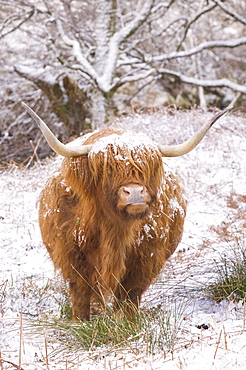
77, 52
197, 49
135, 76
105, 81
230, 12
22, 21
193, 20
223, 82
160, 5
132, 26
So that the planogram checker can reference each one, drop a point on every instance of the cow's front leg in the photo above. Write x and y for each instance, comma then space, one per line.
128, 301
80, 296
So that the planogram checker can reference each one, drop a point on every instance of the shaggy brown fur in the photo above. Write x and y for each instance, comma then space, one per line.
100, 249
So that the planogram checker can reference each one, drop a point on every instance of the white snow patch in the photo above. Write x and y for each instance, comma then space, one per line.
214, 177
128, 139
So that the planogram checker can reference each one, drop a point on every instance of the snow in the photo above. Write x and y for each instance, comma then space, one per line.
128, 140
214, 178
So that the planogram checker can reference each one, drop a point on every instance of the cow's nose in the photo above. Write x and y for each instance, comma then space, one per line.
135, 194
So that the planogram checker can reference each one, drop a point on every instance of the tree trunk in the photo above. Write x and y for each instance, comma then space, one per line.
99, 108
68, 102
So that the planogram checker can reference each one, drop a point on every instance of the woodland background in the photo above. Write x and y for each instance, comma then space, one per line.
79, 64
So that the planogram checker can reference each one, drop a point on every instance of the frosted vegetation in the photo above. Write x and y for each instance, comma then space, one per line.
82, 63
182, 323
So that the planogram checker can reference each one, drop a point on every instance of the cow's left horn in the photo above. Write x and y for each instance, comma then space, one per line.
187, 146
66, 150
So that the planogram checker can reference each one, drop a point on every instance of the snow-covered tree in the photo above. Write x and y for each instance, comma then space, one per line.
84, 56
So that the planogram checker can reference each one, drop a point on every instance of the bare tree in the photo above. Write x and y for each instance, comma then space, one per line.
90, 52
80, 53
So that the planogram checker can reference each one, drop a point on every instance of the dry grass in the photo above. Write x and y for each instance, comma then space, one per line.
230, 276
213, 177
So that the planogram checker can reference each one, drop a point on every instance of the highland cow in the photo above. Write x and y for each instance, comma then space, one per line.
111, 216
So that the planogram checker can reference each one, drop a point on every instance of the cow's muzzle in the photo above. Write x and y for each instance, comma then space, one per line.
134, 198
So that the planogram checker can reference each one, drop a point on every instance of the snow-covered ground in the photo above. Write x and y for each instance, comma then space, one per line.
214, 177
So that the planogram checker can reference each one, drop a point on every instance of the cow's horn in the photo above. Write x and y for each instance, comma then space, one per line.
187, 146
66, 150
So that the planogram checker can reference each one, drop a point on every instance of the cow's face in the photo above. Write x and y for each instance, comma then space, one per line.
129, 200
128, 185
122, 173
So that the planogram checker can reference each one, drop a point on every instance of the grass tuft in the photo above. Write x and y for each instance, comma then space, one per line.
150, 330
231, 275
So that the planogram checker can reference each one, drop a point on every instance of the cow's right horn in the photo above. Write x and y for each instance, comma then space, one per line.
187, 146
66, 150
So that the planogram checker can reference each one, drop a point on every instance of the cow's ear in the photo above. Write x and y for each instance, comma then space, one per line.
77, 174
